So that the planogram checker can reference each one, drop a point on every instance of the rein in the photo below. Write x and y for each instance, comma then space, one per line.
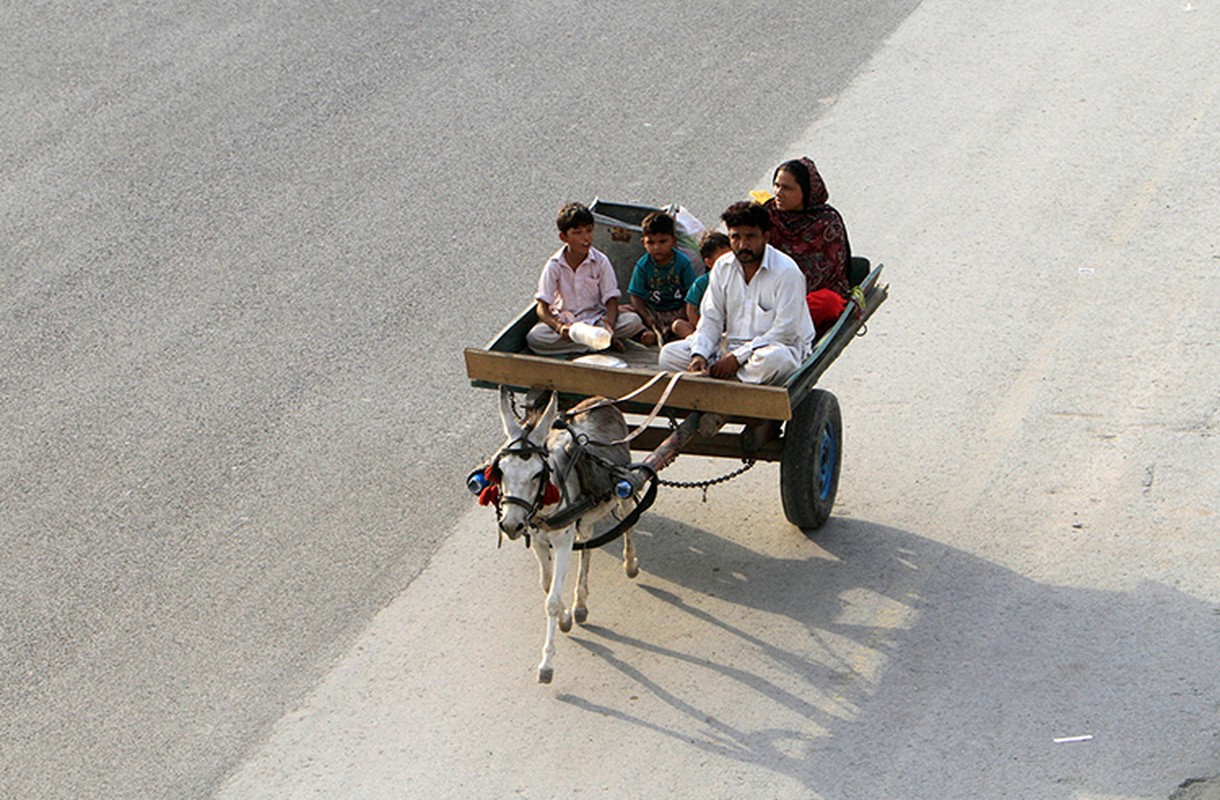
642, 505
656, 409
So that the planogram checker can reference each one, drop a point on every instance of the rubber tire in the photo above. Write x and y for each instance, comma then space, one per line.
809, 467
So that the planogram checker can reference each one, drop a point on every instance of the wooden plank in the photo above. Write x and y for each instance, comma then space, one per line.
522, 371
722, 445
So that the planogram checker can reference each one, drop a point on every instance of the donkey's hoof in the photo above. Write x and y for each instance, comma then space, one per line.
545, 674
565, 621
632, 568
581, 615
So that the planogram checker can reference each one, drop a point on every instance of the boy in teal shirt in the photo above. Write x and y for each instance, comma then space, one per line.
661, 279
712, 246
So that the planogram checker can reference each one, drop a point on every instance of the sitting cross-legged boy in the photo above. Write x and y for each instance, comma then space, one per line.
712, 245
578, 284
661, 279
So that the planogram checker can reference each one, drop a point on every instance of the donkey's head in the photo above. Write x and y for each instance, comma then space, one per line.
522, 467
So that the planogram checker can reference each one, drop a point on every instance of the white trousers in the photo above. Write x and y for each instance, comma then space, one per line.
546, 342
772, 363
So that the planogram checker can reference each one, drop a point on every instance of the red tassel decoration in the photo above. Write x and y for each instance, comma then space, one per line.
490, 495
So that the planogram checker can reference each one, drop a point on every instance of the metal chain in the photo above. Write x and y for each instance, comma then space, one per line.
747, 463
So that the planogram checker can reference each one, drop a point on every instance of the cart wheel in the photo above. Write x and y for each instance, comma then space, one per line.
809, 467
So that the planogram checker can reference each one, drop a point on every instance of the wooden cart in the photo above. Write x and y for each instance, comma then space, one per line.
810, 447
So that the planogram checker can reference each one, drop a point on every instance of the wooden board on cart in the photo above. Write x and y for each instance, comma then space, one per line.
526, 371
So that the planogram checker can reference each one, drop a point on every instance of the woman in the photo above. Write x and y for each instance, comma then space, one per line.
809, 230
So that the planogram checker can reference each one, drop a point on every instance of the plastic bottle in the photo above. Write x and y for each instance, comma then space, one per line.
623, 489
594, 337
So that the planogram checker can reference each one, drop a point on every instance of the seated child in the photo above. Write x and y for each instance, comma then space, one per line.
661, 279
712, 245
577, 284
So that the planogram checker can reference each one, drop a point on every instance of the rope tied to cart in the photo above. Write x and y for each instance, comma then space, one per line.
656, 409
860, 301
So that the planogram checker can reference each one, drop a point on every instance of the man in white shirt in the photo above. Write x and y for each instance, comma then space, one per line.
755, 303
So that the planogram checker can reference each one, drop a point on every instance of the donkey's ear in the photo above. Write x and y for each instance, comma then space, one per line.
512, 426
549, 415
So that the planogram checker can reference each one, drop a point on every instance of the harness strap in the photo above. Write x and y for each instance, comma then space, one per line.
608, 402
575, 451
643, 505
568, 515
656, 409
652, 415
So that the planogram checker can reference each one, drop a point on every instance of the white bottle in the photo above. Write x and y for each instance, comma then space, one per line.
594, 337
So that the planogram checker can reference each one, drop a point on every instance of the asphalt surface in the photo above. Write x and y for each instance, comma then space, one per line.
242, 249
1018, 595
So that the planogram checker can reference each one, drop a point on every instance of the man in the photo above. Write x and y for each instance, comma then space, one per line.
755, 300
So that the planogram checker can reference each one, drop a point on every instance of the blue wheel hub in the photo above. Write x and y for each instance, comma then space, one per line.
826, 461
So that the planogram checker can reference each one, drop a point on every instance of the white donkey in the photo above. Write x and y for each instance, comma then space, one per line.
536, 457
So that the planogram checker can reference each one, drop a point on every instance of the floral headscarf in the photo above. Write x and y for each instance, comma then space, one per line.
814, 237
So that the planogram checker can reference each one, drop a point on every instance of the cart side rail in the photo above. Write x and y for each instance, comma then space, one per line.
828, 346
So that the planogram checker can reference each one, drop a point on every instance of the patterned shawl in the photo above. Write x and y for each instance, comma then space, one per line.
814, 237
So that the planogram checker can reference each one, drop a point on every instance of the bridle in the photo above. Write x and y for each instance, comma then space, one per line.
547, 492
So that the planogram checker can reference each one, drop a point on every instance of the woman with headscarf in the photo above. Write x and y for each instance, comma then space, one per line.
808, 229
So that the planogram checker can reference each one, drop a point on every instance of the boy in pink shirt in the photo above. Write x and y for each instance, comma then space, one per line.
578, 284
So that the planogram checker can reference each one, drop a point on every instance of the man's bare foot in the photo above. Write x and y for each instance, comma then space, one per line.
648, 338
617, 346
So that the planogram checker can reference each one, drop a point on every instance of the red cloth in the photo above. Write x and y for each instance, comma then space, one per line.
814, 237
825, 306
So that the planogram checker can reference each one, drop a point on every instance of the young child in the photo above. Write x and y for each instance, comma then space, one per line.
577, 284
712, 245
660, 280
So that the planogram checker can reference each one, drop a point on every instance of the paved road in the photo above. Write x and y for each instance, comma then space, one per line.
1026, 545
242, 247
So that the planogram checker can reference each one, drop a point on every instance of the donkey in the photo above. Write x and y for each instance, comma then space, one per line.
540, 471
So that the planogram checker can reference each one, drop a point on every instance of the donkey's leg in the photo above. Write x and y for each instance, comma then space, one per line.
556, 614
580, 607
542, 552
631, 564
